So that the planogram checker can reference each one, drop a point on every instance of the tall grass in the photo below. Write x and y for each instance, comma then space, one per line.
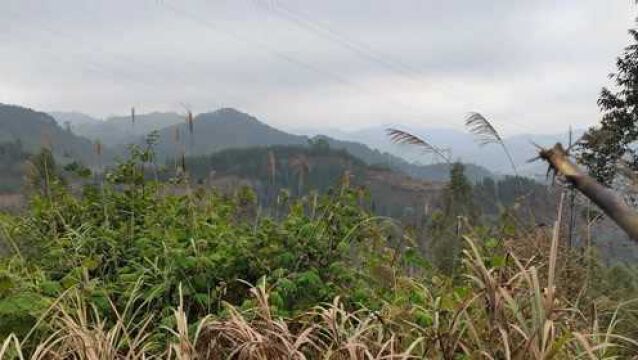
514, 311
340, 289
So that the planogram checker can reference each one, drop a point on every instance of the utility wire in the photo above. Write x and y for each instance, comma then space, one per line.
86, 63
274, 52
285, 57
363, 50
298, 18
112, 72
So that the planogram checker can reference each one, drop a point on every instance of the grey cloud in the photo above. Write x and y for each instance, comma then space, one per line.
541, 62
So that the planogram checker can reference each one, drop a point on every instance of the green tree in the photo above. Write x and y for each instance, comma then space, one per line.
319, 144
486, 195
604, 146
446, 226
457, 196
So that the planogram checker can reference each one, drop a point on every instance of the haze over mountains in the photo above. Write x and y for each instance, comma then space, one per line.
72, 119
461, 145
116, 130
229, 128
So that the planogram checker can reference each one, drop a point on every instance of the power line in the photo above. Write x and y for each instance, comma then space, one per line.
280, 55
357, 47
274, 52
87, 63
115, 75
318, 28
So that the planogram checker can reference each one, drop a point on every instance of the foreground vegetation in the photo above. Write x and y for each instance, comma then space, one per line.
127, 267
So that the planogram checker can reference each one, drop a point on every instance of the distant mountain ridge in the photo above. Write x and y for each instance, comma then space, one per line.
229, 128
72, 119
219, 130
462, 146
120, 130
33, 130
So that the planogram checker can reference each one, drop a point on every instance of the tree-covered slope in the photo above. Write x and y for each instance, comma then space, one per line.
222, 129
302, 170
231, 129
34, 130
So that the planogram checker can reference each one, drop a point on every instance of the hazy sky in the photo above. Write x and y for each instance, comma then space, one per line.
530, 65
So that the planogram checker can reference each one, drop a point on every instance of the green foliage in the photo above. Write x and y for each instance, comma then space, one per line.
130, 242
133, 233
78, 169
602, 147
457, 196
457, 209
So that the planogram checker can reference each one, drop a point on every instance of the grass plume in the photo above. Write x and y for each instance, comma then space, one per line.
486, 134
403, 137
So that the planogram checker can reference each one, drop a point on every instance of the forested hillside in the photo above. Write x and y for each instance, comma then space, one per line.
317, 168
33, 130
27, 131
231, 129
24, 132
301, 171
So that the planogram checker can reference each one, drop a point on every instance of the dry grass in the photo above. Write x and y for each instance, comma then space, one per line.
326, 332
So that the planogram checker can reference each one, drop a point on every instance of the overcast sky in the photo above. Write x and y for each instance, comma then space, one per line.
530, 65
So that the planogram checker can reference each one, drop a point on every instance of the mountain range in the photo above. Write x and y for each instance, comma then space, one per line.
116, 130
233, 147
229, 128
31, 130
71, 134
461, 145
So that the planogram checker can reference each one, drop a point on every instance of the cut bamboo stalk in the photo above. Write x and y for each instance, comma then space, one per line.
609, 201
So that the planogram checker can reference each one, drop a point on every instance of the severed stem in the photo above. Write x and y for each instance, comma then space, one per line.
609, 201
